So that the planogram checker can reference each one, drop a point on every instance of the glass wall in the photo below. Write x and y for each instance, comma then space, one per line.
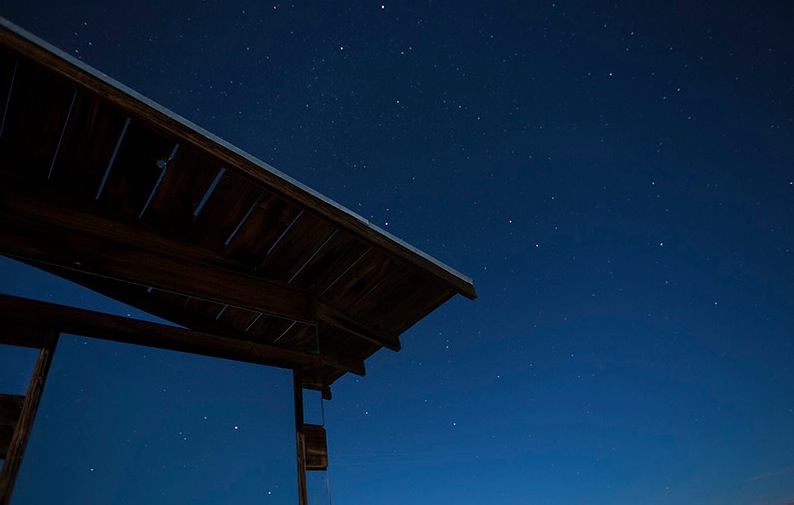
126, 424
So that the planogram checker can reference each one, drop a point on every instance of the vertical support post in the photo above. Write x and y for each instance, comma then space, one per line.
19, 441
303, 493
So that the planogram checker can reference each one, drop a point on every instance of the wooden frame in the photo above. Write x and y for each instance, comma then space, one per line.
103, 187
27, 414
34, 324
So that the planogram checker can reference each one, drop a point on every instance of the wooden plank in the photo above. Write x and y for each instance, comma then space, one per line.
10, 409
121, 329
359, 280
19, 440
303, 496
268, 220
326, 375
186, 181
232, 322
399, 305
42, 316
268, 329
40, 230
136, 168
304, 239
238, 319
340, 357
22, 336
6, 434
205, 309
87, 146
34, 120
362, 328
316, 447
87, 243
161, 304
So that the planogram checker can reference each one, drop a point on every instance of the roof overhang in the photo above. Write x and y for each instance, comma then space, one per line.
106, 188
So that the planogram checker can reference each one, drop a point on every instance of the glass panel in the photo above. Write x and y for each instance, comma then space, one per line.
313, 407
317, 485
126, 424
16, 368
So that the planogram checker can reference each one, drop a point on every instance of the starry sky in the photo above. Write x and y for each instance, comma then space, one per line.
617, 177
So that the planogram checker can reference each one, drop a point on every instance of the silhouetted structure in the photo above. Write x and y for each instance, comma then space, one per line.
107, 189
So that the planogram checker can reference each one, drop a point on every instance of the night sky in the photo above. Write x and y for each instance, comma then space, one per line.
617, 177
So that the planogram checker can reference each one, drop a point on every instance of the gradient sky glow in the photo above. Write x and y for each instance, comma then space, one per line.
617, 177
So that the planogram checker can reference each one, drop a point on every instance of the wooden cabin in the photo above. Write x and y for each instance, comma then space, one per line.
104, 188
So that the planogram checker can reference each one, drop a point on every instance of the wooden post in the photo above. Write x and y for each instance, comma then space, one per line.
19, 441
303, 492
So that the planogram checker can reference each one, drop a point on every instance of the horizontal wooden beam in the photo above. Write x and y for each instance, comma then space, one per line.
337, 360
23, 313
35, 228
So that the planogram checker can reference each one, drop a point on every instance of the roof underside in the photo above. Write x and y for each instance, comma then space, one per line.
106, 188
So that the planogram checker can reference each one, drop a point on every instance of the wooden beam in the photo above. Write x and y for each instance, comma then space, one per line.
10, 407
367, 331
19, 441
23, 313
303, 494
316, 447
34, 228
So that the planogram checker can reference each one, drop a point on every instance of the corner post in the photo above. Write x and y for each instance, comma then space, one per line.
303, 493
19, 440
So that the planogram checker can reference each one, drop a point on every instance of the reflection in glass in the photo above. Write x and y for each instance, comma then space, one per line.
126, 424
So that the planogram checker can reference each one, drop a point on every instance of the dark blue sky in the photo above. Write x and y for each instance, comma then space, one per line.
617, 177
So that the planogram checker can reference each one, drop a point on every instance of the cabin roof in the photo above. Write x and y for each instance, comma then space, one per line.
108, 189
